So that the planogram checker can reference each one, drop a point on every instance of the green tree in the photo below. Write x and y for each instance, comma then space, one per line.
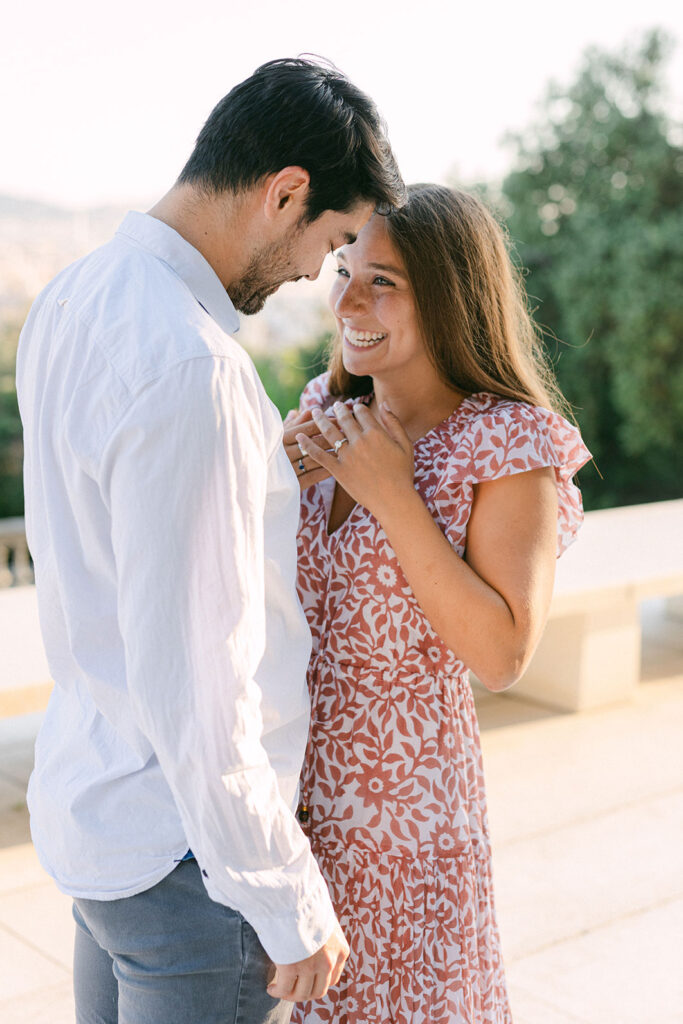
11, 444
284, 376
595, 211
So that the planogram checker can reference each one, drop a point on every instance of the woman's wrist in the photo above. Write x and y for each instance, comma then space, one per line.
398, 506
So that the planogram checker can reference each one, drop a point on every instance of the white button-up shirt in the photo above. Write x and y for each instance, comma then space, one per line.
161, 513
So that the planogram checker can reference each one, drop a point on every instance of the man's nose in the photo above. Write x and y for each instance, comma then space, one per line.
313, 276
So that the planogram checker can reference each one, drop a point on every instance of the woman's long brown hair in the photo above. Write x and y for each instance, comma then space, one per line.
470, 300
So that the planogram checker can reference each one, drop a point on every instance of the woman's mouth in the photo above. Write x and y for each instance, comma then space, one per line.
363, 339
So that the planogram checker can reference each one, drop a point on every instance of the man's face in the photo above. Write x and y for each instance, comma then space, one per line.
299, 253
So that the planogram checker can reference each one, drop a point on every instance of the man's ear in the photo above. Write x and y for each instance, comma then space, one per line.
286, 192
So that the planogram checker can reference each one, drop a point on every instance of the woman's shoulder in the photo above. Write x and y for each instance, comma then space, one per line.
496, 436
486, 411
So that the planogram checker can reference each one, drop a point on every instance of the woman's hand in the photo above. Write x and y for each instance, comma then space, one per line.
371, 459
307, 470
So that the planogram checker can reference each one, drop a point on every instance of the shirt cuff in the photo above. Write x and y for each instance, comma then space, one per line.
288, 939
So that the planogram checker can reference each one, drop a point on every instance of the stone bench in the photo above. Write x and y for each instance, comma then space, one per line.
24, 676
589, 655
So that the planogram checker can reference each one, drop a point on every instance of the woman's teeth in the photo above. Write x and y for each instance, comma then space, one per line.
363, 339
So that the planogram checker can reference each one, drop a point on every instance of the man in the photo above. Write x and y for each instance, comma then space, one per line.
161, 513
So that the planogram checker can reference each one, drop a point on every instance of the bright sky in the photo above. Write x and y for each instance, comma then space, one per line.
102, 102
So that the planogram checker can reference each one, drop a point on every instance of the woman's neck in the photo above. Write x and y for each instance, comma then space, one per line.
419, 409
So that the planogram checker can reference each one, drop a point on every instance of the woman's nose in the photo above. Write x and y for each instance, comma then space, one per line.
350, 300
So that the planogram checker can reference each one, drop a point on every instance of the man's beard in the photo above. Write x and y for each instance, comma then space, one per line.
267, 269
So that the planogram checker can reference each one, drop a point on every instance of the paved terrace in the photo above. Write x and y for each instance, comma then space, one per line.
587, 822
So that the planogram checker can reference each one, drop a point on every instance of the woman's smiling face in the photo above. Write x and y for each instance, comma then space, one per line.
375, 309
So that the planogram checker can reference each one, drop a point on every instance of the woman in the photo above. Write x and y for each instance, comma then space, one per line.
436, 494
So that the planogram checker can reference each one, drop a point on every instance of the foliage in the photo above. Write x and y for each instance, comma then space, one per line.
595, 209
11, 445
594, 206
284, 376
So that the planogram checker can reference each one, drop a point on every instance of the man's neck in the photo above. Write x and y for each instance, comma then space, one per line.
216, 225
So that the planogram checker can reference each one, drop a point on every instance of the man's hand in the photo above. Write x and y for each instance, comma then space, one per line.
311, 978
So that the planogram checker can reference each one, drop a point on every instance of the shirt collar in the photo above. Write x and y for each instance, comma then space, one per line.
188, 263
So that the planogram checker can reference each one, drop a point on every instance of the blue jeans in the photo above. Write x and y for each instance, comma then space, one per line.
170, 955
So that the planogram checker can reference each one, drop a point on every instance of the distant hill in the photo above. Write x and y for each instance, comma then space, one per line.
39, 239
30, 209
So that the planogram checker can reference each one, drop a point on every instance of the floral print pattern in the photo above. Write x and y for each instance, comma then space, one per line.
393, 778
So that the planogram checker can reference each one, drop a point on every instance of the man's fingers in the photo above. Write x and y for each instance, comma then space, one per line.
311, 978
309, 987
309, 427
313, 476
338, 970
298, 987
283, 984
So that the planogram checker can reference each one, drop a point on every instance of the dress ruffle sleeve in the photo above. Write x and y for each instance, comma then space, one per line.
514, 438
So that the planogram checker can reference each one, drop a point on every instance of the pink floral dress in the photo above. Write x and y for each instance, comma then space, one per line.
393, 777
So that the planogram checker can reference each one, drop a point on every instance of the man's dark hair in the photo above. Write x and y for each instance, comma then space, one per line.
298, 112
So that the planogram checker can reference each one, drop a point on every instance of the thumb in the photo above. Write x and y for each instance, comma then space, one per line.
394, 427
295, 416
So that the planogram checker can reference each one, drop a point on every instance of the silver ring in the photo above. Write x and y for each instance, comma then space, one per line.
339, 443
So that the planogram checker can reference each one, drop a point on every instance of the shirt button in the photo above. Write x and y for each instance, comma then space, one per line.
302, 814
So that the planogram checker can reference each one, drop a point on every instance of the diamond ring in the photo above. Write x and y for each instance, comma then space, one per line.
339, 443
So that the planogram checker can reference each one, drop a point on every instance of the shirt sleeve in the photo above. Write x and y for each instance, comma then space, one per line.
185, 476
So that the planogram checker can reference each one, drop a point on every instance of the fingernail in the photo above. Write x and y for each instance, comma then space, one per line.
299, 439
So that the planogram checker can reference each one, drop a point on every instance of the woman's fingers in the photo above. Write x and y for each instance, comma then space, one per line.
394, 427
294, 416
318, 454
327, 427
347, 421
308, 427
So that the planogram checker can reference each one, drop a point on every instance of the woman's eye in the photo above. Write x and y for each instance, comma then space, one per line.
382, 281
342, 271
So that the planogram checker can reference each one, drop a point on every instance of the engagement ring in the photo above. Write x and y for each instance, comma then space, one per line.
339, 443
